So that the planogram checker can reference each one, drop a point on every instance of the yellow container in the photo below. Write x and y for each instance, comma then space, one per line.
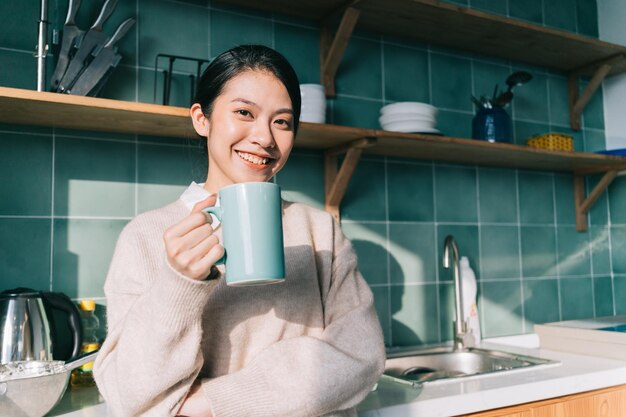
553, 141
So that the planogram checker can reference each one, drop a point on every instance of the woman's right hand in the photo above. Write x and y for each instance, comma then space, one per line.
191, 247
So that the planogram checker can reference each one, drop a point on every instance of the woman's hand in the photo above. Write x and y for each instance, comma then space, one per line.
191, 247
196, 404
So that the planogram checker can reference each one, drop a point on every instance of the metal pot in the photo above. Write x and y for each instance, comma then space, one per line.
33, 388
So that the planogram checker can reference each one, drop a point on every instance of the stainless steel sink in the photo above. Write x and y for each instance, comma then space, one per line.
428, 365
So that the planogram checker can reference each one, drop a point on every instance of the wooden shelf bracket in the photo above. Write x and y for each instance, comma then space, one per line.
582, 204
577, 101
336, 180
332, 48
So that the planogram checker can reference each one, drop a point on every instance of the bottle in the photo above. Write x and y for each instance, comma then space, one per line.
83, 376
470, 313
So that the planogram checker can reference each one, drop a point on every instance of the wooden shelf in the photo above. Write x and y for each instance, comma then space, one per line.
457, 150
28, 107
447, 25
86, 113
451, 26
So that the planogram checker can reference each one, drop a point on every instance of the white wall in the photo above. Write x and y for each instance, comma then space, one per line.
612, 28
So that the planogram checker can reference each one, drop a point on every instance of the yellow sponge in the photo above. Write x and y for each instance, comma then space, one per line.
553, 141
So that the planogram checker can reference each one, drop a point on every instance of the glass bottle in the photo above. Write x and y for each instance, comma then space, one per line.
83, 376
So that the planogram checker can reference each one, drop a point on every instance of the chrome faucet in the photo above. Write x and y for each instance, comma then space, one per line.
462, 335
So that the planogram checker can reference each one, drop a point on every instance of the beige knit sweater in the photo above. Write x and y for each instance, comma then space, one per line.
309, 346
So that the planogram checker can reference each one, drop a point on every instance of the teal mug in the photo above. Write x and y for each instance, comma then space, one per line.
252, 233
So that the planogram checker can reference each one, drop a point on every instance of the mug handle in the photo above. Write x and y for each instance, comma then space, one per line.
217, 212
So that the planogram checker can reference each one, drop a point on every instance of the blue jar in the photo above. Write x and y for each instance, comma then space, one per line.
492, 124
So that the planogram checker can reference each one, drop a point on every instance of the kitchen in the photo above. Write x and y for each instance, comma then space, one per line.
516, 226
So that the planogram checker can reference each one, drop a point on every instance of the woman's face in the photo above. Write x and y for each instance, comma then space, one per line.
250, 130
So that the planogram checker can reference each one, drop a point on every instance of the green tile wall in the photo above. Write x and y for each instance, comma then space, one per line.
67, 194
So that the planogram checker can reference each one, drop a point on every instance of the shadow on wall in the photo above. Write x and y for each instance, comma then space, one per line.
99, 187
390, 303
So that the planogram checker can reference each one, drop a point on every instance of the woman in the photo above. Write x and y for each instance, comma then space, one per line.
182, 342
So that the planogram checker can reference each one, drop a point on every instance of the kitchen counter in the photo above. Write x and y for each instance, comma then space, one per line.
573, 374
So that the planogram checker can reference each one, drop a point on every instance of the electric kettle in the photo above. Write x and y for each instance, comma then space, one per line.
26, 329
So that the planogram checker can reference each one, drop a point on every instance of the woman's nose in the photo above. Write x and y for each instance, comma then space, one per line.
262, 135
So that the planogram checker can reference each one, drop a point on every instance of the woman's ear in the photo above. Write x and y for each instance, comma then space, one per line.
199, 120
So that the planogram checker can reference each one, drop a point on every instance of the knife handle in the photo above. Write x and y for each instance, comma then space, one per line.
72, 8
106, 11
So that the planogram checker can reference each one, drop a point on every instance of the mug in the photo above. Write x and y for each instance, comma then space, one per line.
252, 233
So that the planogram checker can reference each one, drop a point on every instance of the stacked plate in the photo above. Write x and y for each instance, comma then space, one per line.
409, 117
313, 103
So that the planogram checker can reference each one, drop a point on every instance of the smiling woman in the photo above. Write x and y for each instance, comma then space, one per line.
249, 129
180, 340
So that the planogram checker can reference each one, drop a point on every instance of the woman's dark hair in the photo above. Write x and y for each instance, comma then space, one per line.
242, 58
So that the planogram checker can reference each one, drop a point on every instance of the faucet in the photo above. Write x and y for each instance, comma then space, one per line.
462, 335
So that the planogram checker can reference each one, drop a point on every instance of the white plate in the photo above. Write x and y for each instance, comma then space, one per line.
409, 107
409, 127
405, 117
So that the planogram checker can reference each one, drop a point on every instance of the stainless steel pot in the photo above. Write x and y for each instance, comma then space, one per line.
33, 388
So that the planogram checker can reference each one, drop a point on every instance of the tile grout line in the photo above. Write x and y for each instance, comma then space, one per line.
556, 244
609, 222
480, 282
591, 265
136, 187
52, 182
4, 216
387, 224
137, 51
438, 283
136, 137
209, 15
490, 280
519, 250
387, 244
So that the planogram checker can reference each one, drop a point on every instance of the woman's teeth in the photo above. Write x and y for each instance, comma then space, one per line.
252, 158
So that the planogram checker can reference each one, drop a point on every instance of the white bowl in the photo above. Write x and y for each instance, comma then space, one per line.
409, 126
401, 117
409, 107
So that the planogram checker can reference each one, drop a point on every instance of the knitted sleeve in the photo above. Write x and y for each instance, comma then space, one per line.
151, 354
313, 376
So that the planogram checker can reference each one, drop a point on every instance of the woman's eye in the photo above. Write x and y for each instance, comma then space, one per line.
283, 122
245, 113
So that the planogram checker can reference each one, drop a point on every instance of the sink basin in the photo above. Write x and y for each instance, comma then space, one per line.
435, 364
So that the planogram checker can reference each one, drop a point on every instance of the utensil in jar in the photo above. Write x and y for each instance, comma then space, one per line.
513, 80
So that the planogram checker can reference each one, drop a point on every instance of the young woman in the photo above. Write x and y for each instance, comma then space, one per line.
180, 341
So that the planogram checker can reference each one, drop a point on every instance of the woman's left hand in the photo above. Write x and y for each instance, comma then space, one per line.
196, 404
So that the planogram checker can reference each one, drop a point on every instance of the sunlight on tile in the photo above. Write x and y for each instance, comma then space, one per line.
100, 198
